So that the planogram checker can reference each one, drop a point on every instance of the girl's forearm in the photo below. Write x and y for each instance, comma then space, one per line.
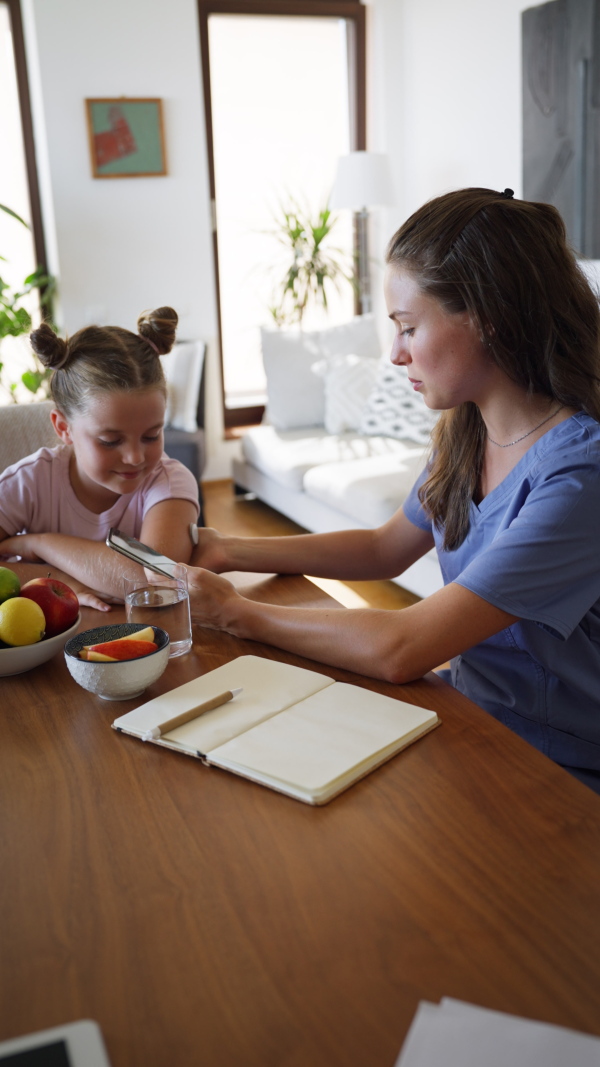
26, 572
91, 562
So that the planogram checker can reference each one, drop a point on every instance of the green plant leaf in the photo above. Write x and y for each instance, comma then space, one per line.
9, 211
314, 264
31, 380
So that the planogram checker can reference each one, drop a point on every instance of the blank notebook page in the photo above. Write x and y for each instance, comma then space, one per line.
267, 687
319, 743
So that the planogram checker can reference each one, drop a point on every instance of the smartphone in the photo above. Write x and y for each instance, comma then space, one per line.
76, 1044
139, 553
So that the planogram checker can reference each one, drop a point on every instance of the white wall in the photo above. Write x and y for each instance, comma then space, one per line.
446, 98
122, 245
444, 102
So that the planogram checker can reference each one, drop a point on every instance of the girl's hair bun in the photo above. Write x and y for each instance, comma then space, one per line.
159, 326
51, 349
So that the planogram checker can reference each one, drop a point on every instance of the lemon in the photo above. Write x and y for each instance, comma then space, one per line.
22, 621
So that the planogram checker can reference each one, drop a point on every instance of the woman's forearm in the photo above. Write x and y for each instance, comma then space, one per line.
357, 640
397, 646
329, 555
369, 641
361, 555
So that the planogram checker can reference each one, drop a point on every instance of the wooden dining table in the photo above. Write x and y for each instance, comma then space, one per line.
202, 919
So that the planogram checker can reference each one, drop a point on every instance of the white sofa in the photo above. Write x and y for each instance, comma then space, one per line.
336, 473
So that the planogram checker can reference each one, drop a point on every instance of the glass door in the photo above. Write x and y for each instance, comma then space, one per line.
281, 95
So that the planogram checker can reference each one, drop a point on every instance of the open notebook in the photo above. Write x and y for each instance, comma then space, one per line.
291, 729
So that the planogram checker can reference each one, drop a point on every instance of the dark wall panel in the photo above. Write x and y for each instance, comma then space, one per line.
561, 114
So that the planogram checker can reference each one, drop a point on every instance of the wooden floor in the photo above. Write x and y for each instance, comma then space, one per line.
249, 517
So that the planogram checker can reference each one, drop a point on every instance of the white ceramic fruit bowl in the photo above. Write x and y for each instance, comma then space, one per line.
24, 657
121, 679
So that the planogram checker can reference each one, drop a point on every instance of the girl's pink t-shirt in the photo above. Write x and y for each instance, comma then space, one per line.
36, 496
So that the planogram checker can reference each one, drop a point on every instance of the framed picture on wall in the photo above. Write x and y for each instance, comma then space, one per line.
126, 137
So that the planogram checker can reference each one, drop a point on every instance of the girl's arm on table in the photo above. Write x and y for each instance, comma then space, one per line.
351, 554
99, 568
397, 646
87, 597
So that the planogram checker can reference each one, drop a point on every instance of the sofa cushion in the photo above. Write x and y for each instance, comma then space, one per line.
182, 368
348, 384
395, 409
286, 456
358, 336
296, 393
23, 429
367, 490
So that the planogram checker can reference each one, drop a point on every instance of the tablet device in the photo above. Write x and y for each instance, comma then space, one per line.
77, 1044
140, 553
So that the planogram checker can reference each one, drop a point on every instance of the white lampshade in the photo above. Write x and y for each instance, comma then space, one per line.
363, 179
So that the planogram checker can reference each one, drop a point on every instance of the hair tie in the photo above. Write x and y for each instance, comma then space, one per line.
151, 343
508, 194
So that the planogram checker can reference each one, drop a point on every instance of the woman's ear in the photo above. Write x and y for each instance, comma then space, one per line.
487, 336
61, 426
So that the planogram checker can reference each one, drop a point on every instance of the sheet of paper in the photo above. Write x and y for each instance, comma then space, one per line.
456, 1034
268, 686
318, 742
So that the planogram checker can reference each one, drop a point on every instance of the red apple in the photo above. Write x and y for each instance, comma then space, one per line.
57, 601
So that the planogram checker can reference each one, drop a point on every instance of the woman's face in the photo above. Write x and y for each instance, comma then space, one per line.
443, 353
118, 440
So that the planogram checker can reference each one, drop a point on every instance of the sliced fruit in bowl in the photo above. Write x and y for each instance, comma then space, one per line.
122, 648
115, 678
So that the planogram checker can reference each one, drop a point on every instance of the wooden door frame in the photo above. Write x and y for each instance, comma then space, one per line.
37, 227
352, 10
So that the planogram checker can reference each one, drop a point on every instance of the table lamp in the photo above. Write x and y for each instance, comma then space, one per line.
362, 180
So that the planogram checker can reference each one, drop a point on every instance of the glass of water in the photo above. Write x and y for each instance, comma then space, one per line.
157, 601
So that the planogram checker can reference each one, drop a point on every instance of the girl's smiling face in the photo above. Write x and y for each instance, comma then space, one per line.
117, 441
443, 353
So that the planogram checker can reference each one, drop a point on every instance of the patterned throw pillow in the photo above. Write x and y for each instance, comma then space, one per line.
393, 409
348, 383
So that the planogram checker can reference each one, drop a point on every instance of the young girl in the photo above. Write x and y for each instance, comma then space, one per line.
58, 505
497, 327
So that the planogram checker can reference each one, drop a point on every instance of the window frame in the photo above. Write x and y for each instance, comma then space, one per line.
354, 11
37, 226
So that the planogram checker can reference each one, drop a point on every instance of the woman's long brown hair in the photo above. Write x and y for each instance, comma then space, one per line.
507, 263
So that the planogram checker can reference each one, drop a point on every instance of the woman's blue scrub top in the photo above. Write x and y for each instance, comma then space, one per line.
533, 549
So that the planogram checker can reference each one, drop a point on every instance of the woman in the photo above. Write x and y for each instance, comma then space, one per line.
498, 328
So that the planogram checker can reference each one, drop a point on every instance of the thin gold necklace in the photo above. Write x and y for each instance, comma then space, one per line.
529, 432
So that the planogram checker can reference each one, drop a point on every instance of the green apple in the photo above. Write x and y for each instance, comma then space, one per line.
9, 584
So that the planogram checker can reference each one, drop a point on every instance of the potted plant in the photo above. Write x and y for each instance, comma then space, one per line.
15, 321
315, 264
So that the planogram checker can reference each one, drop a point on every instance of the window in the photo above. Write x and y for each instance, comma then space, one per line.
23, 249
284, 96
18, 176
